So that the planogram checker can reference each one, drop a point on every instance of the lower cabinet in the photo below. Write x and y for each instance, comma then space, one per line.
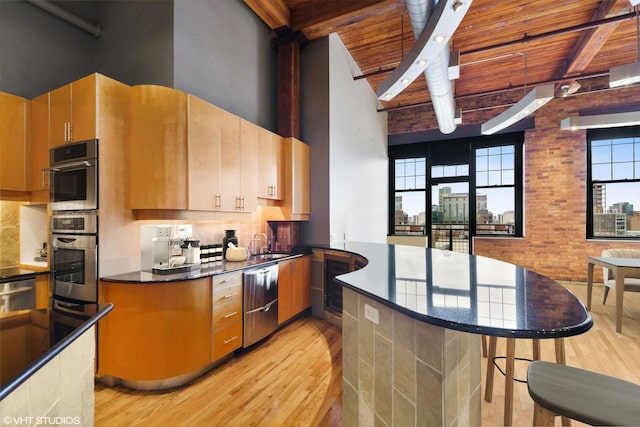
226, 319
294, 287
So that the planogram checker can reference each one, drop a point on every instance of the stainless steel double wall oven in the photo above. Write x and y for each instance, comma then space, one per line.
74, 221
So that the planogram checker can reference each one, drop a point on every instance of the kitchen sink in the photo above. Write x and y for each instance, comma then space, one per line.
267, 257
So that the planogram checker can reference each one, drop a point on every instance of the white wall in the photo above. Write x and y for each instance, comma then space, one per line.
358, 163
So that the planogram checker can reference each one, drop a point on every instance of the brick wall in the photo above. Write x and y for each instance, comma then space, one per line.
554, 242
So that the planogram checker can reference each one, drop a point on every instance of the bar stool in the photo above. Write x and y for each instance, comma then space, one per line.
509, 372
585, 396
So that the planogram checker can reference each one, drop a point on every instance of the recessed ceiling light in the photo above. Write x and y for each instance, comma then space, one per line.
405, 81
440, 38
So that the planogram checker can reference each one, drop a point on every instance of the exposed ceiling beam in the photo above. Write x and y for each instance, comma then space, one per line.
592, 40
316, 21
273, 12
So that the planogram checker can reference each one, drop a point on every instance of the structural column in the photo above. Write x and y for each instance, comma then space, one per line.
288, 44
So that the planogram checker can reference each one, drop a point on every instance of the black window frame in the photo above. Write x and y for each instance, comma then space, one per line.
453, 152
609, 133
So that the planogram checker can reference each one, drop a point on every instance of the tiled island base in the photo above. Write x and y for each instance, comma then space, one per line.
404, 372
59, 393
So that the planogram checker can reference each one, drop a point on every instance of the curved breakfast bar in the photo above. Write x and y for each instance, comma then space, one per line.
411, 326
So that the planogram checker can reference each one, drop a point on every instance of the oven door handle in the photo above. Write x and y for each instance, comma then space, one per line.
66, 239
83, 164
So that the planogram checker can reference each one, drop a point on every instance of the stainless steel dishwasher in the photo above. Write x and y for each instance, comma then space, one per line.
260, 303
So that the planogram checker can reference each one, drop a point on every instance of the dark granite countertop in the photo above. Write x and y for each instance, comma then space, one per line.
148, 277
53, 328
466, 292
8, 274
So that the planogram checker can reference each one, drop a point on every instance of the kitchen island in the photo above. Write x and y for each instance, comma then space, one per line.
411, 326
48, 362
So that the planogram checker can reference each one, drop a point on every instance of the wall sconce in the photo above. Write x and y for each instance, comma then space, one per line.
601, 121
434, 37
535, 99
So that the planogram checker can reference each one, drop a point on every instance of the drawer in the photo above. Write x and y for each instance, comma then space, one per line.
226, 314
226, 340
228, 279
226, 294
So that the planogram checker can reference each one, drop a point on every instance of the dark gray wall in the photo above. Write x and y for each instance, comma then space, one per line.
223, 55
215, 49
314, 130
39, 52
136, 46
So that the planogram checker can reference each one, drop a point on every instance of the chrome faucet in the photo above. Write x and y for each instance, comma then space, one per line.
254, 249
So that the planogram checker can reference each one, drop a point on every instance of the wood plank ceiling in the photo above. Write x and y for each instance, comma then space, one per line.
504, 45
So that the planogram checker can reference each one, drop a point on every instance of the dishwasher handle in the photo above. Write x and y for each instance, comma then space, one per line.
264, 308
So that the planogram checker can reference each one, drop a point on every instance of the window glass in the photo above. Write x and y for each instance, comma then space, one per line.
495, 190
410, 213
615, 185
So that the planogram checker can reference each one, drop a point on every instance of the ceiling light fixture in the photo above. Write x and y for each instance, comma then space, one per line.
614, 120
535, 99
629, 73
438, 31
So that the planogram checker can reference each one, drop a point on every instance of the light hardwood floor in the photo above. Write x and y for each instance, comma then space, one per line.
294, 378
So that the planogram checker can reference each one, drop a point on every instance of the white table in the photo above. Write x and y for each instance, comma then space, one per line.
621, 268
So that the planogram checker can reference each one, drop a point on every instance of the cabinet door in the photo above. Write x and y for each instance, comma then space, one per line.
83, 109
59, 115
230, 162
269, 165
285, 302
40, 142
204, 155
158, 168
301, 284
14, 111
248, 166
300, 185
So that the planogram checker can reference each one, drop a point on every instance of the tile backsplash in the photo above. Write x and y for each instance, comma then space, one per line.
9, 233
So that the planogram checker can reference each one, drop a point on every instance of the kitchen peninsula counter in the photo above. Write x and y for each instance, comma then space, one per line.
417, 314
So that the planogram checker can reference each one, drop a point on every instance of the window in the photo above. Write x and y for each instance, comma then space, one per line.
409, 203
495, 190
613, 186
455, 189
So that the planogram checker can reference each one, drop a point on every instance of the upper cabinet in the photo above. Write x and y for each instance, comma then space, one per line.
14, 142
270, 159
72, 112
40, 143
158, 144
296, 201
205, 192
188, 156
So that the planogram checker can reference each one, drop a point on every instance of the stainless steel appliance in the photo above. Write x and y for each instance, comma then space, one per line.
18, 295
260, 303
74, 176
74, 256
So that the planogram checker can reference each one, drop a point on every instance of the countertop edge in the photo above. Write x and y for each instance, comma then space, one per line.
54, 351
24, 274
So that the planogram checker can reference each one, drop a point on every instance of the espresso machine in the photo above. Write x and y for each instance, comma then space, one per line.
168, 248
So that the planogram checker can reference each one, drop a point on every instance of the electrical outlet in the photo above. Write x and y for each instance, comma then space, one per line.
371, 313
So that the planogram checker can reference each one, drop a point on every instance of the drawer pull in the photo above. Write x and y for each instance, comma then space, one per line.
233, 279
226, 316
230, 339
230, 295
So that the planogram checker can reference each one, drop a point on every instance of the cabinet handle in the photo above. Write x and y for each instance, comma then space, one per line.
233, 279
230, 339
242, 202
70, 132
217, 201
230, 295
226, 316
64, 138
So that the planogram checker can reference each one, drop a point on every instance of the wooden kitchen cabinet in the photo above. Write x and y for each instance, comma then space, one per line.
294, 287
15, 133
204, 155
295, 204
158, 148
72, 112
40, 143
226, 319
237, 163
270, 160
159, 332
248, 165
